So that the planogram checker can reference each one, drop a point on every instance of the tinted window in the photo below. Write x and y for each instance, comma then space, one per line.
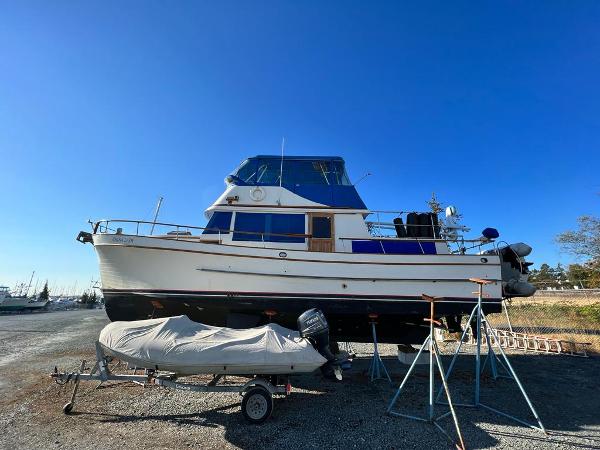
296, 172
268, 227
299, 173
268, 172
321, 227
220, 220
247, 171
339, 175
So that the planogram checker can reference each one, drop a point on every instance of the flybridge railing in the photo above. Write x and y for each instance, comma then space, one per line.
178, 231
384, 225
448, 231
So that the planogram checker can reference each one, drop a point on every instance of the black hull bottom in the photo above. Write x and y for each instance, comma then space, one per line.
400, 320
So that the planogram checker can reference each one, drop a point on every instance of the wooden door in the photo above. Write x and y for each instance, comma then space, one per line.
321, 230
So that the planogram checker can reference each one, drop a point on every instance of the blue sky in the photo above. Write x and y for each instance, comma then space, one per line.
104, 106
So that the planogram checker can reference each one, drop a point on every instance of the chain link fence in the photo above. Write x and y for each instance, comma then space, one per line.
567, 315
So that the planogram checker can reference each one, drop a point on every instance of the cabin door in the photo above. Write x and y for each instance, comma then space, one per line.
320, 228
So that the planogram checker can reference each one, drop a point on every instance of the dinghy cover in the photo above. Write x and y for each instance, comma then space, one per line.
180, 345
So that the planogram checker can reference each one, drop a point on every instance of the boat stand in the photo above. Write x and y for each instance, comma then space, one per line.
376, 368
483, 328
434, 358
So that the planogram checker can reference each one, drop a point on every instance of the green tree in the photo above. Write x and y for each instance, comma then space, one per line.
45, 294
583, 242
543, 277
585, 275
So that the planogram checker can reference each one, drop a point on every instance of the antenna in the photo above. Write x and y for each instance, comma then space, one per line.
368, 174
281, 166
160, 199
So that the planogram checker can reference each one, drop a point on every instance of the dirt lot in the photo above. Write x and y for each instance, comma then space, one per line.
318, 414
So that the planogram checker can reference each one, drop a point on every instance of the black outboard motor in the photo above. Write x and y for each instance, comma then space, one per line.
313, 326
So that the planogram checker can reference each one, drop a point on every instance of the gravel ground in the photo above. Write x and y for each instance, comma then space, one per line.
318, 414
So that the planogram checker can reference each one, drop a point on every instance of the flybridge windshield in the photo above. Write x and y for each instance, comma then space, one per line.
296, 172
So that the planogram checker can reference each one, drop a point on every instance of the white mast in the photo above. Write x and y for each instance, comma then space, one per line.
30, 281
281, 166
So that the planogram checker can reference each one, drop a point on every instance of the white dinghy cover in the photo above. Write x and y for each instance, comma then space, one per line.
180, 345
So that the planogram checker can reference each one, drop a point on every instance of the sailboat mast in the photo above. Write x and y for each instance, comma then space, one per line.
29, 285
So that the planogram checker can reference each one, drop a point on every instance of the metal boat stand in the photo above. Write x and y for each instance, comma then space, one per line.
434, 358
485, 329
376, 368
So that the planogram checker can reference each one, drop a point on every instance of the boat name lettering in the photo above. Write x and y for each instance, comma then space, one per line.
122, 240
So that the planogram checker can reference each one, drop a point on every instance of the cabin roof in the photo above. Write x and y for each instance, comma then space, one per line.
306, 158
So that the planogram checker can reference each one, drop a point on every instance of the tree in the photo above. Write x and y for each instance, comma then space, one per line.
544, 277
85, 298
434, 204
45, 294
585, 275
583, 242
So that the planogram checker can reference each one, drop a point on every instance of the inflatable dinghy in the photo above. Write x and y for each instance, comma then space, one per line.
180, 345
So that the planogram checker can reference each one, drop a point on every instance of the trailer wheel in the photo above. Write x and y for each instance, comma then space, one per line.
68, 408
257, 405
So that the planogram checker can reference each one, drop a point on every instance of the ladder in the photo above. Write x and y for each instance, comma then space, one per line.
527, 342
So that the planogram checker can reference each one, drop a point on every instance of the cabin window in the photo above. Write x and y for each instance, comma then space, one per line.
321, 227
247, 171
219, 221
339, 175
269, 227
299, 173
268, 172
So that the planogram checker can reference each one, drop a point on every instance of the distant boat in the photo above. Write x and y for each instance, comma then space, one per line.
8, 302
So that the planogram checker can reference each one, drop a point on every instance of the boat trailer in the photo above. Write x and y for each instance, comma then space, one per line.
257, 393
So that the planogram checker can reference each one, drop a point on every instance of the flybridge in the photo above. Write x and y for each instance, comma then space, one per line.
321, 179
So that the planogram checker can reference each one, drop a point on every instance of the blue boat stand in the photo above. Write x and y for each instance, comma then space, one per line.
434, 359
376, 368
484, 328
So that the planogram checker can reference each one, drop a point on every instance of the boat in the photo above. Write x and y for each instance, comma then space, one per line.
9, 302
292, 233
182, 346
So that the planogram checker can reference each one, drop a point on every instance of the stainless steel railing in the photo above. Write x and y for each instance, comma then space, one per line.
179, 231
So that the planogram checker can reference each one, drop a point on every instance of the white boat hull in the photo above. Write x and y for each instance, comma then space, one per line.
144, 276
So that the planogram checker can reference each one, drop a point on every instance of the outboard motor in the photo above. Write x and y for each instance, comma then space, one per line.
313, 326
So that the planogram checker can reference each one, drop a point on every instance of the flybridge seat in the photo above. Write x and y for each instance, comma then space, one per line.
179, 345
418, 225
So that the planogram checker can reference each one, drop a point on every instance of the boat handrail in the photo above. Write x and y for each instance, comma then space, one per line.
421, 239
97, 227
